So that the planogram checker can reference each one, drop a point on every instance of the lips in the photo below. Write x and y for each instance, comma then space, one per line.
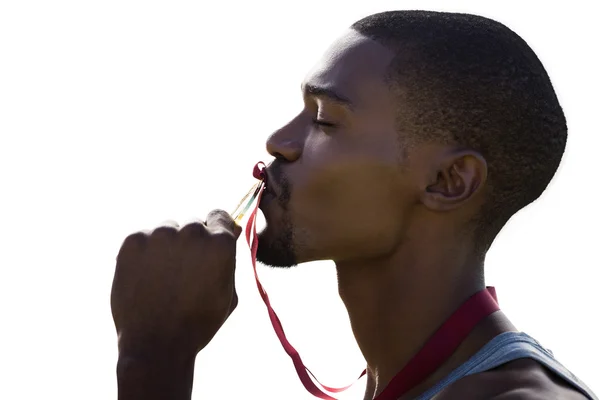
268, 178
268, 194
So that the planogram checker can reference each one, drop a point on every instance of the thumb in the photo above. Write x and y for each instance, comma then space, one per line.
237, 230
221, 220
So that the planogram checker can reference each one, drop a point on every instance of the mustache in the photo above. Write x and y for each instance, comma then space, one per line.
278, 183
274, 173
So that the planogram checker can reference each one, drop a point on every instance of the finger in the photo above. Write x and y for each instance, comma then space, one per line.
170, 223
237, 230
135, 240
219, 220
234, 301
194, 230
193, 221
164, 231
133, 244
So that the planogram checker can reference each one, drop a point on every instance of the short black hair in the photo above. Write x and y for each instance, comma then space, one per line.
473, 82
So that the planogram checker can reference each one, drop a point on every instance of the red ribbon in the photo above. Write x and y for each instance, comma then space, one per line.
436, 350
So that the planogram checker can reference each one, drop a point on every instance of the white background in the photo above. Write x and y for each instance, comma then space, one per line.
118, 115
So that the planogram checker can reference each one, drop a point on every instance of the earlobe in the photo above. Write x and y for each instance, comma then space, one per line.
459, 177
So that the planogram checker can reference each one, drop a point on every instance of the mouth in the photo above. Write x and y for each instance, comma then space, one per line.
268, 194
266, 197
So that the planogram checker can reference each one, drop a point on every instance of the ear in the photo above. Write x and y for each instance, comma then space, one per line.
455, 178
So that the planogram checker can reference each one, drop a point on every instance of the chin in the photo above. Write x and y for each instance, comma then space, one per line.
276, 250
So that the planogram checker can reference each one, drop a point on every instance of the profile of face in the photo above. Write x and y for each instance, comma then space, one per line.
335, 190
343, 186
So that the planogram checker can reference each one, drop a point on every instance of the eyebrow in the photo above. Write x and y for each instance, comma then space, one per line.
330, 93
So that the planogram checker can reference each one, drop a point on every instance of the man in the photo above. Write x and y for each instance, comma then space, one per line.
422, 133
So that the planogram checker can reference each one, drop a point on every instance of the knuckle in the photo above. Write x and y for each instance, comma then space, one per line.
219, 214
219, 218
170, 223
194, 230
135, 241
132, 246
167, 231
222, 237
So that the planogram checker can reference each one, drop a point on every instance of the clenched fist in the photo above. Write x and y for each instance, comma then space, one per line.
174, 288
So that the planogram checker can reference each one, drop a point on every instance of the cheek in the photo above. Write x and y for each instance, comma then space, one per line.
349, 208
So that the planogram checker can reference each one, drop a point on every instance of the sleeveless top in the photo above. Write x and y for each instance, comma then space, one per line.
506, 347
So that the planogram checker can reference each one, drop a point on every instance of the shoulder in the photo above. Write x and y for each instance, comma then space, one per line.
523, 379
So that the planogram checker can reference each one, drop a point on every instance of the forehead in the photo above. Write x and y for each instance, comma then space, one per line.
354, 65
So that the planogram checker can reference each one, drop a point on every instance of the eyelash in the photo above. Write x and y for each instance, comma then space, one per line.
322, 123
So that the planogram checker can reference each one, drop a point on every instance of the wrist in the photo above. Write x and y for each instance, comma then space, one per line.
153, 347
156, 375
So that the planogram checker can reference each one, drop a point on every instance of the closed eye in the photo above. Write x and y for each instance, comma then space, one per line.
320, 122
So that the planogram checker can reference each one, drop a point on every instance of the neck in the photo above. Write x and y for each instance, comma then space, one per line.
396, 303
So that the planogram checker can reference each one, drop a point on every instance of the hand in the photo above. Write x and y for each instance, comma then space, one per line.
174, 288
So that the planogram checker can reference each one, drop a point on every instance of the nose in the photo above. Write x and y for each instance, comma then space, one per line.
284, 145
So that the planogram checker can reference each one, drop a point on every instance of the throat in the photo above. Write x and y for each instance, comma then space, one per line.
394, 311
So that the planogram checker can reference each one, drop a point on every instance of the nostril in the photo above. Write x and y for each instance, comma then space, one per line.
287, 150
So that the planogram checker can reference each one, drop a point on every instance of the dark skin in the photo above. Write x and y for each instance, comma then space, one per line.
345, 186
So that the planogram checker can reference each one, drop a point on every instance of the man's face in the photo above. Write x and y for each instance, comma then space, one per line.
339, 188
